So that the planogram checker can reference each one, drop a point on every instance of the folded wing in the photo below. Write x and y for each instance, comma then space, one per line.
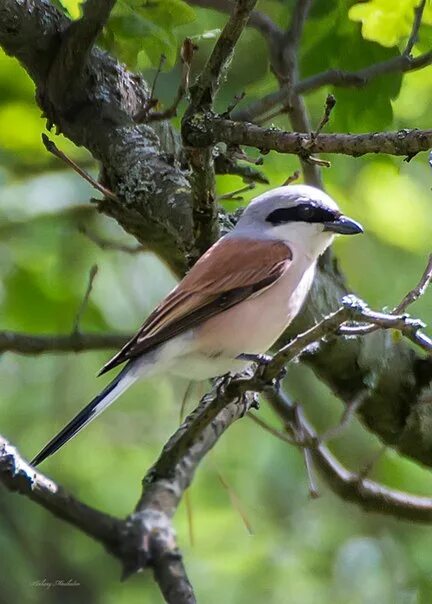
231, 271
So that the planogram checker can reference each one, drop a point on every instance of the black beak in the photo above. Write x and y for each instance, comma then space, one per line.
344, 226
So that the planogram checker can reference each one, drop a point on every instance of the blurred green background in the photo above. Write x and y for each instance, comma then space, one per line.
298, 550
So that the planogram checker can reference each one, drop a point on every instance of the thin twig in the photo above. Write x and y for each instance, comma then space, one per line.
187, 494
346, 418
207, 84
235, 502
225, 164
367, 467
273, 431
270, 116
307, 455
186, 55
151, 101
289, 77
83, 305
410, 328
367, 494
202, 93
417, 291
106, 244
418, 15
236, 100
258, 20
317, 161
413, 295
236, 195
294, 176
333, 77
329, 106
52, 148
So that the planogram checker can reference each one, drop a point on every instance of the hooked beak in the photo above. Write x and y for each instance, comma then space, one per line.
344, 226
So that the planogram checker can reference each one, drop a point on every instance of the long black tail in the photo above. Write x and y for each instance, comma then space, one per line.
92, 410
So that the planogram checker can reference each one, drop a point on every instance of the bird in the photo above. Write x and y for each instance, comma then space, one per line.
234, 303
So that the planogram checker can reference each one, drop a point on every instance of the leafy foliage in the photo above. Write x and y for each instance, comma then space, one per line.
143, 30
387, 22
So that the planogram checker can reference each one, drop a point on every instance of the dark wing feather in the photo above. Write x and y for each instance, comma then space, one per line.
230, 272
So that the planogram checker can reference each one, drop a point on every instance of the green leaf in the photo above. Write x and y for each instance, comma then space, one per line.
139, 32
357, 109
164, 13
386, 21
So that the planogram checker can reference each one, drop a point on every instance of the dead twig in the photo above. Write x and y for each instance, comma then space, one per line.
186, 55
346, 418
418, 15
151, 101
236, 100
236, 195
235, 502
106, 244
82, 307
416, 292
273, 431
294, 176
52, 148
329, 106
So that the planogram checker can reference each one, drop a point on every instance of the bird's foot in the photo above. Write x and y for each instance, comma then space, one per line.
260, 359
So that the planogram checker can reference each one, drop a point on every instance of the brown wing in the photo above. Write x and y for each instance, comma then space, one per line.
229, 272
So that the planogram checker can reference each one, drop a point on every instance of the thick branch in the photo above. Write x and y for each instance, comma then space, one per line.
153, 195
17, 475
403, 142
76, 44
136, 542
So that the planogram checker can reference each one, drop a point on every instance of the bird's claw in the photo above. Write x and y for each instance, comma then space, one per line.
260, 359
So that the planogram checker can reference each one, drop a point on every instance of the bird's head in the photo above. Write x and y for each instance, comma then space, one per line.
303, 216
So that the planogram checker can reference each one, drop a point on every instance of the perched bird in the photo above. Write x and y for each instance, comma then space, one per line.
234, 303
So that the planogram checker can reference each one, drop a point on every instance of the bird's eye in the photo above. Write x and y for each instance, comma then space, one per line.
306, 213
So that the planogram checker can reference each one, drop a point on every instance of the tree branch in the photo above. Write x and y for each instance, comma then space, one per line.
370, 496
153, 199
23, 343
258, 20
66, 72
288, 75
138, 542
333, 77
404, 142
202, 93
17, 475
418, 15
336, 77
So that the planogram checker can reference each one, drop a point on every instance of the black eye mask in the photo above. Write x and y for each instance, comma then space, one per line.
304, 212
